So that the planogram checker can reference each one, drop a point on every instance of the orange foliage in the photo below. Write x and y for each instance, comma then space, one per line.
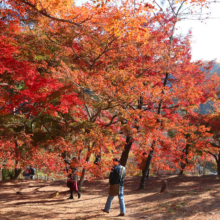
86, 69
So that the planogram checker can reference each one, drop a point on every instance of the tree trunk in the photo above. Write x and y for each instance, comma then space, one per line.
183, 165
17, 173
218, 163
124, 156
181, 172
82, 178
147, 167
129, 141
16, 169
217, 159
218, 167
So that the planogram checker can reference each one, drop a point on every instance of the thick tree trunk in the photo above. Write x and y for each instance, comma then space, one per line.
181, 171
17, 173
218, 167
124, 156
147, 167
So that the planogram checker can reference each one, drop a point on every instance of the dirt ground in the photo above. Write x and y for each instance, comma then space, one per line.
187, 198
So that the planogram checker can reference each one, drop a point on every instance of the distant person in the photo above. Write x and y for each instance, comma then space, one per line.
32, 173
72, 178
116, 180
97, 163
97, 159
143, 164
26, 173
201, 170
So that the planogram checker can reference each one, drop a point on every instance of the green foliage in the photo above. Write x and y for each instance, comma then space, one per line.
199, 152
20, 86
171, 133
7, 174
40, 57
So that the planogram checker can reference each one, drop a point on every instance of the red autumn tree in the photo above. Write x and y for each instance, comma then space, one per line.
106, 77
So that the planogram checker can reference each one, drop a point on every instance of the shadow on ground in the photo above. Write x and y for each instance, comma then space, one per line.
187, 198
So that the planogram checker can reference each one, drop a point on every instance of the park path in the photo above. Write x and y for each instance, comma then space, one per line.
187, 198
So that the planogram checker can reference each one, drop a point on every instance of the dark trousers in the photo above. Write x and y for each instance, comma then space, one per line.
72, 191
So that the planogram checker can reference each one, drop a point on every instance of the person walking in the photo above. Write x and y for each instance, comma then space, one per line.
26, 173
32, 172
72, 178
116, 180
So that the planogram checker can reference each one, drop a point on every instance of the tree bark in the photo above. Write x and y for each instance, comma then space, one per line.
16, 170
183, 165
125, 153
147, 167
218, 163
82, 178
17, 173
218, 167
217, 159
181, 172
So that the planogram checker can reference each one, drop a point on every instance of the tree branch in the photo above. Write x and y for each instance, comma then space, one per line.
44, 13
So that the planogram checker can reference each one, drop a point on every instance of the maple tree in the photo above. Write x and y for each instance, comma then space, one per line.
43, 117
168, 18
211, 121
25, 95
191, 138
90, 79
